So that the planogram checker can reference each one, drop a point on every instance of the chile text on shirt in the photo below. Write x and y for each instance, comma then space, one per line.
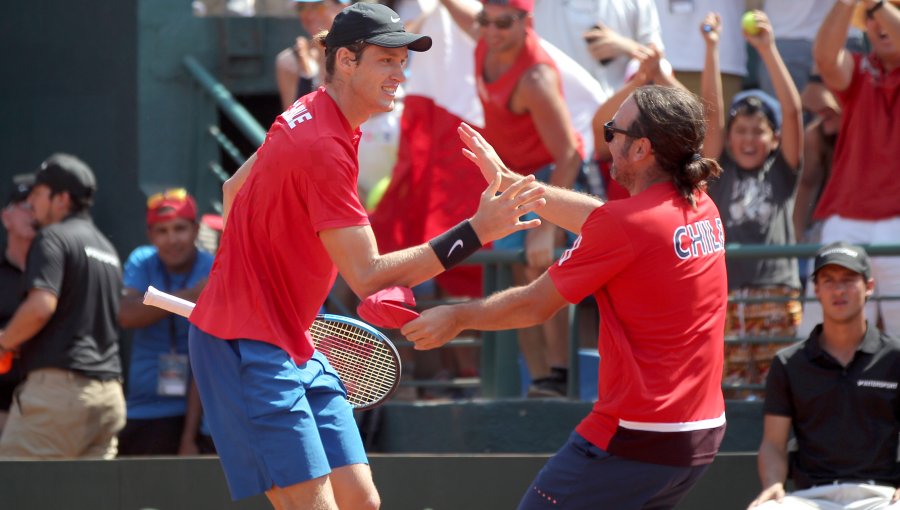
700, 234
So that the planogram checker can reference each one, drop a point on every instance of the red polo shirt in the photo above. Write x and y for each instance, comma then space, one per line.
656, 267
272, 273
865, 182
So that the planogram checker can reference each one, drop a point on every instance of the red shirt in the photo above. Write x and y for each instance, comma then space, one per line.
272, 273
865, 173
656, 267
513, 135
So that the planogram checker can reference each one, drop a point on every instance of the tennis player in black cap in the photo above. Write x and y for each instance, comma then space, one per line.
277, 411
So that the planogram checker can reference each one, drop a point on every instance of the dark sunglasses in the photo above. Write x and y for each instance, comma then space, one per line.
609, 131
501, 22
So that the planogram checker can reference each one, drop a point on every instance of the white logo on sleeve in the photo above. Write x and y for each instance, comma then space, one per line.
296, 115
394, 20
457, 244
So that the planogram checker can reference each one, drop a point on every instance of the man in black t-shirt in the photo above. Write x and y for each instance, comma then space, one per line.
71, 403
838, 392
18, 224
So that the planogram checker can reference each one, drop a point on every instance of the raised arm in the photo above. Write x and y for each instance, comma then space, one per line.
538, 94
564, 207
772, 461
711, 88
785, 90
835, 63
463, 13
355, 252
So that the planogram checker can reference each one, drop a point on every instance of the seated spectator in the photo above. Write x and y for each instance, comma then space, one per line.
18, 224
760, 156
159, 421
837, 393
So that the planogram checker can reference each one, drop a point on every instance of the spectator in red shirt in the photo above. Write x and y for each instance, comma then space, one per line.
860, 202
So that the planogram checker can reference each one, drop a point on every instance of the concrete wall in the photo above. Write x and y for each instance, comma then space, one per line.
405, 482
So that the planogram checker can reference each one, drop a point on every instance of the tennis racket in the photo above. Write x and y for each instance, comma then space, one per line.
363, 357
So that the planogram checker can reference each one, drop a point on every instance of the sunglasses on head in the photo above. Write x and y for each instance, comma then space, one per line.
170, 194
609, 131
501, 22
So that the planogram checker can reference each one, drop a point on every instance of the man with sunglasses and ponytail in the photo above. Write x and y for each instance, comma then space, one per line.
162, 404
71, 403
655, 263
527, 122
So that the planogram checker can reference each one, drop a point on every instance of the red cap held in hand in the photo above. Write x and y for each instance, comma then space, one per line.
388, 308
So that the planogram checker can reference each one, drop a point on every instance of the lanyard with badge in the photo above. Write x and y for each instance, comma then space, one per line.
172, 378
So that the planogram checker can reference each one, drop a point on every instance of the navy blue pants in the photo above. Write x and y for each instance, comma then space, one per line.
582, 476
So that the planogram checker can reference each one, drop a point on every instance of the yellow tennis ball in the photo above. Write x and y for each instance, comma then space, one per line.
376, 193
748, 22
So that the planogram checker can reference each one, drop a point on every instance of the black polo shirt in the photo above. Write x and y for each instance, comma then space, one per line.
12, 292
74, 261
846, 419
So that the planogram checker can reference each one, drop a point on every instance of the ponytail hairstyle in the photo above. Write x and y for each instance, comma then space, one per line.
672, 119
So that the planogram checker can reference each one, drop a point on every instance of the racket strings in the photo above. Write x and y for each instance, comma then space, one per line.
366, 365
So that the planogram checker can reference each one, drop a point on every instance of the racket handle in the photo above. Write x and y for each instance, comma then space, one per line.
168, 302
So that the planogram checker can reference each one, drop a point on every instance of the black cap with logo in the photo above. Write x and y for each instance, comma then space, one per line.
845, 255
375, 24
65, 172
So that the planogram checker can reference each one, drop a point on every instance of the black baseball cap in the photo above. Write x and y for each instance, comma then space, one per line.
65, 172
845, 255
375, 24
22, 185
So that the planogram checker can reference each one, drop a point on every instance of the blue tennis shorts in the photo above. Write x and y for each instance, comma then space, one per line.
274, 423
581, 476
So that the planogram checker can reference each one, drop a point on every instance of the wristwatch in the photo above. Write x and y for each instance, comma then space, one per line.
870, 12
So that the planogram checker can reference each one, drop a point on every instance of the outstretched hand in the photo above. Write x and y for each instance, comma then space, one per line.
433, 328
763, 38
710, 27
482, 154
499, 215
